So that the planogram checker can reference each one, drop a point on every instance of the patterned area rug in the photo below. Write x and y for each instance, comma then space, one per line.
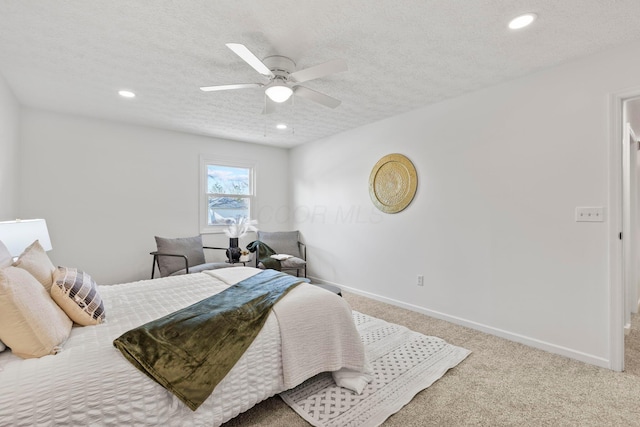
404, 363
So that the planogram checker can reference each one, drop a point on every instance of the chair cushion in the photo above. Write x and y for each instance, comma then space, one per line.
294, 262
191, 247
283, 242
289, 263
203, 267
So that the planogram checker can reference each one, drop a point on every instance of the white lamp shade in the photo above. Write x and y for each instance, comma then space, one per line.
17, 235
279, 93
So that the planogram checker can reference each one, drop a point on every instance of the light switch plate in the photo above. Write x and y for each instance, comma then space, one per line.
589, 214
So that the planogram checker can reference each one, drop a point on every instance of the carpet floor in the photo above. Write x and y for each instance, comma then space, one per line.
501, 383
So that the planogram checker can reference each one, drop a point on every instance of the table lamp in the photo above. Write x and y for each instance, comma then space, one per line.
17, 235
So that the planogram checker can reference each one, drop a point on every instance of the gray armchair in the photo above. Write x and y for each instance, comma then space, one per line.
182, 255
285, 242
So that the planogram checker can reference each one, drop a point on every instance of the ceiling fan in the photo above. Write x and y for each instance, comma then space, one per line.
283, 79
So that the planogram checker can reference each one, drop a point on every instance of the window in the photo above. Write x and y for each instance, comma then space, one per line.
228, 193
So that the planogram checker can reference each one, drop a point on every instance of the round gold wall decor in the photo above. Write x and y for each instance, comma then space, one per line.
393, 183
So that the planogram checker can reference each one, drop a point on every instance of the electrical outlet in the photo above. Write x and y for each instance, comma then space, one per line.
589, 214
420, 280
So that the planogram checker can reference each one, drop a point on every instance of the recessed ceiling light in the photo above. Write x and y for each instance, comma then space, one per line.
281, 126
522, 21
126, 94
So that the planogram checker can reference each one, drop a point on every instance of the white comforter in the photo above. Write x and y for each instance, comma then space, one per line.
91, 383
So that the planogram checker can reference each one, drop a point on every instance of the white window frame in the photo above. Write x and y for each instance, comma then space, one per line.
205, 161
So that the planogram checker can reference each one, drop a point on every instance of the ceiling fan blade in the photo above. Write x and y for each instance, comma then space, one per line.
316, 96
230, 87
248, 57
331, 67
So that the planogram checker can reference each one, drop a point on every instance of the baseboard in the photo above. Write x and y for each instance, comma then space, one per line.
522, 339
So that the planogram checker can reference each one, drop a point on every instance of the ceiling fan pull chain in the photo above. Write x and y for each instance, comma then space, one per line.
293, 115
264, 116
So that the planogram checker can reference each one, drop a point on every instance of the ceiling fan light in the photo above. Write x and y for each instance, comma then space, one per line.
522, 21
279, 93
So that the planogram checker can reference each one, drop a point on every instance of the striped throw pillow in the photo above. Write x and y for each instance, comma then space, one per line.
77, 294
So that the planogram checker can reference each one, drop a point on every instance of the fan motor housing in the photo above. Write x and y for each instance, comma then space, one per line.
280, 65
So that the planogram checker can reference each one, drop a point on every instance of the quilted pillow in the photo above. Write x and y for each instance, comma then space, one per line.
77, 294
31, 323
35, 260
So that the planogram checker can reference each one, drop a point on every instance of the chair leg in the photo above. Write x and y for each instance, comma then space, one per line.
153, 265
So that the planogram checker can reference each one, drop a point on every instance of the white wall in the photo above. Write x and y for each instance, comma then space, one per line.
107, 189
492, 227
9, 124
632, 115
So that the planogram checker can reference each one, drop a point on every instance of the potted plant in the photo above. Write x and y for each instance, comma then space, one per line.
237, 228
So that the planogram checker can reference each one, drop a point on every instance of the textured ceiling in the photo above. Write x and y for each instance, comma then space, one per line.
73, 55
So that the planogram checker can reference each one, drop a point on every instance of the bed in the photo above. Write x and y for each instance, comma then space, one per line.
90, 383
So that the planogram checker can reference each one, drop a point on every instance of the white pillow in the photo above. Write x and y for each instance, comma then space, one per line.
31, 323
5, 261
35, 260
5, 257
77, 294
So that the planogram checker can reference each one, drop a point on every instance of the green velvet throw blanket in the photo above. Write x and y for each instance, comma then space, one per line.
264, 254
191, 350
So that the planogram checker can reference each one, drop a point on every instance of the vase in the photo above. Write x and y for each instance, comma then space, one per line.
233, 252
